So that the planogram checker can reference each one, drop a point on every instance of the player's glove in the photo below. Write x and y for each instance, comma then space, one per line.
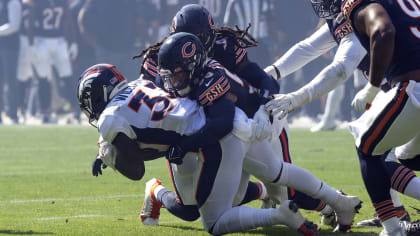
97, 166
262, 126
282, 104
175, 154
273, 71
364, 97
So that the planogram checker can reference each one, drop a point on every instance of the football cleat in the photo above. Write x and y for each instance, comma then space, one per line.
323, 126
411, 228
397, 232
328, 217
150, 212
375, 222
309, 229
349, 207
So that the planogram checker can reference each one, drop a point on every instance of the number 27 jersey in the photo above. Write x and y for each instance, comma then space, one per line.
148, 114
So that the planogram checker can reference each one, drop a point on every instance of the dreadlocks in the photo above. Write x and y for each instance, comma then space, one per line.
243, 39
150, 51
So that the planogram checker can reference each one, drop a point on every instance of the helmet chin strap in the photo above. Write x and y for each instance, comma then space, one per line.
185, 91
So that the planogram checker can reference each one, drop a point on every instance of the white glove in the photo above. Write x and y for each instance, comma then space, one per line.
364, 97
282, 104
73, 51
273, 71
107, 153
261, 126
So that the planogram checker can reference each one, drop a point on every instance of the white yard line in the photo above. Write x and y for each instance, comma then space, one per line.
67, 217
71, 199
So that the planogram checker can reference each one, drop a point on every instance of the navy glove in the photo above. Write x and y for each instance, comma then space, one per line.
175, 154
97, 166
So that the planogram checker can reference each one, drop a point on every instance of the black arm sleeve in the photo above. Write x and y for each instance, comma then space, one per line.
257, 77
130, 158
219, 123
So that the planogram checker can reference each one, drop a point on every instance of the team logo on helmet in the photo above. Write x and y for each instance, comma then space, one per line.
186, 54
211, 22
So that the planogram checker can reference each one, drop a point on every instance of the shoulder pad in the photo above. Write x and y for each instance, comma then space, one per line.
214, 85
350, 6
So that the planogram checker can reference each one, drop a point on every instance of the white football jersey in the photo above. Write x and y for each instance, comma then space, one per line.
150, 115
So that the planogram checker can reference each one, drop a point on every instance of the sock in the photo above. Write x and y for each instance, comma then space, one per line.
391, 224
241, 218
254, 192
412, 189
395, 198
44, 94
176, 208
303, 181
308, 203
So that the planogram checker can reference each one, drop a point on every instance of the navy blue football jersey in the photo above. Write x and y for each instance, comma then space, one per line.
49, 16
339, 27
405, 15
218, 81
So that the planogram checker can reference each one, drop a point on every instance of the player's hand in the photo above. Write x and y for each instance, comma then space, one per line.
262, 125
364, 97
273, 71
73, 51
97, 166
281, 105
175, 154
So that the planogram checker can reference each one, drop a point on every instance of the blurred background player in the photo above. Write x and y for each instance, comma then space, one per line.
52, 35
10, 20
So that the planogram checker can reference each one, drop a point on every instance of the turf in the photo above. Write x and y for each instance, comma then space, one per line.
46, 187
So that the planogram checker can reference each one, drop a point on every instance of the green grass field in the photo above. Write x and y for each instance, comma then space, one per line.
46, 186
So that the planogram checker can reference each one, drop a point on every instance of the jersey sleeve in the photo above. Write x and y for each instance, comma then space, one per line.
228, 53
351, 6
150, 68
110, 125
215, 85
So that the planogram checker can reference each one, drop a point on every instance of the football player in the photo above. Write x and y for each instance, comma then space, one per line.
140, 112
50, 24
350, 55
209, 82
390, 34
228, 47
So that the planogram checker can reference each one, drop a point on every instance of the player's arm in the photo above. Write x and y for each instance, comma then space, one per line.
85, 24
256, 76
374, 22
349, 55
15, 17
130, 158
302, 53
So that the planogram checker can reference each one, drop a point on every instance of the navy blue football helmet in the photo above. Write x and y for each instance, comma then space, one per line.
326, 8
180, 61
97, 86
195, 19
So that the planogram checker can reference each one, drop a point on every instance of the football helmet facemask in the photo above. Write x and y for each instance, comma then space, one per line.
195, 19
326, 8
97, 86
180, 61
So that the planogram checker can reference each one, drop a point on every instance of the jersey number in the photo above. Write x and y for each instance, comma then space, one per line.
52, 18
413, 11
151, 102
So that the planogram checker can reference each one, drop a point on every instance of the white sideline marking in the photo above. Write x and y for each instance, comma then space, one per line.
67, 217
73, 198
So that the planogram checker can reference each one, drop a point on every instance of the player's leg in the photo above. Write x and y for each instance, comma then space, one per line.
263, 164
409, 153
215, 198
390, 122
66, 82
280, 146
